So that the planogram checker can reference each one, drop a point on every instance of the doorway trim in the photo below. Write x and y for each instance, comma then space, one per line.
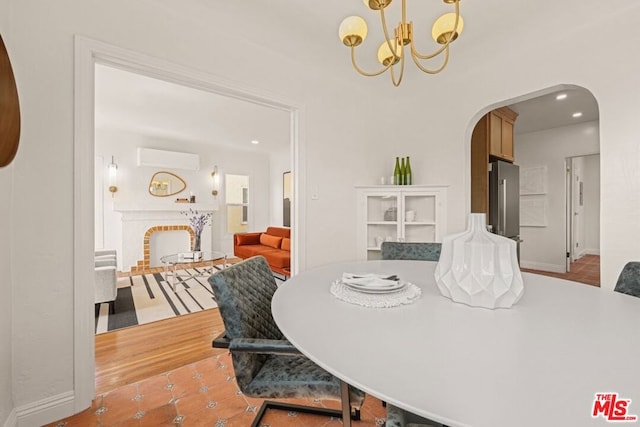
88, 52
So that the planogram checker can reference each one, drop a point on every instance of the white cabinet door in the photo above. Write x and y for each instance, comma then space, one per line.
420, 210
399, 214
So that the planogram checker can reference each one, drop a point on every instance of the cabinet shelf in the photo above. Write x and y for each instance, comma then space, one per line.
382, 222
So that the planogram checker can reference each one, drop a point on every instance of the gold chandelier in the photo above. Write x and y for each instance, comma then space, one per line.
447, 28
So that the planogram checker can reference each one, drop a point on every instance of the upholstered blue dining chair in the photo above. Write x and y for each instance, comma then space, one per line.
629, 279
397, 417
411, 251
266, 365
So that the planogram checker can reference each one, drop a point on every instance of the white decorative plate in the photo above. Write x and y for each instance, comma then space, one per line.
375, 288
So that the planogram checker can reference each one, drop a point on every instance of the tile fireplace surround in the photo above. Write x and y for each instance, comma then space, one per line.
138, 222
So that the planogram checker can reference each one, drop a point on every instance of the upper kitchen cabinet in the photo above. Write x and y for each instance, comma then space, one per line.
492, 139
501, 133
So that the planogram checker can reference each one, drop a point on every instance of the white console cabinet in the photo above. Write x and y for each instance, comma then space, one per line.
399, 213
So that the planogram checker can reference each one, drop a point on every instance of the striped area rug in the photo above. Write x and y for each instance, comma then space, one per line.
148, 297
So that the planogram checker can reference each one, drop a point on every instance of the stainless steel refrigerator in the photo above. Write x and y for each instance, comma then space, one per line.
504, 200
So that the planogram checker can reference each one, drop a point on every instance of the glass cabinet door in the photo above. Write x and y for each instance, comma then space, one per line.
419, 217
394, 213
382, 222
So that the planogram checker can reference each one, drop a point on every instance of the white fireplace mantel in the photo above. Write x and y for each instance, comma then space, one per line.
137, 218
164, 207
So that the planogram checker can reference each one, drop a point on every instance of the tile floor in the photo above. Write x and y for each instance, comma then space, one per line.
201, 394
585, 270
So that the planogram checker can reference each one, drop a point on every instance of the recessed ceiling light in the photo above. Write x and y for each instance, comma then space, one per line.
561, 96
255, 142
576, 115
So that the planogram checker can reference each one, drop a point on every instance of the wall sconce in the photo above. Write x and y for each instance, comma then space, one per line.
113, 176
215, 181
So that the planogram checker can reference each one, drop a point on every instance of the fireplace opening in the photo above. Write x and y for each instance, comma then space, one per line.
166, 243
174, 243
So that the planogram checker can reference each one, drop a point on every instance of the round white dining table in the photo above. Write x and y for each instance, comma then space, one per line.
540, 362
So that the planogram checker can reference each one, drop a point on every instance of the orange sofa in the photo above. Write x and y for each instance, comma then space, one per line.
274, 244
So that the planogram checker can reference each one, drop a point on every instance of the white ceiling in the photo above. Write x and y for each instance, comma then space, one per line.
545, 112
143, 105
132, 103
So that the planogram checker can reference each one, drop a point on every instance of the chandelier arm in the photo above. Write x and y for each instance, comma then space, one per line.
361, 71
386, 32
434, 71
417, 54
393, 75
393, 78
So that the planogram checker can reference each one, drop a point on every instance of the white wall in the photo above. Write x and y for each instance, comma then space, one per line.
544, 248
481, 77
6, 303
133, 183
351, 128
6, 224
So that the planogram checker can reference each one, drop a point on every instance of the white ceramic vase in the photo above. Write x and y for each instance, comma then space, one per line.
479, 268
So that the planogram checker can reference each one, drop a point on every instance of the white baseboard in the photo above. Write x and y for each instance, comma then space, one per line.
553, 268
12, 421
592, 251
46, 410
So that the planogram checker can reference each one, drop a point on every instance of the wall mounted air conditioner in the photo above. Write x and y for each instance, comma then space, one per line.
168, 159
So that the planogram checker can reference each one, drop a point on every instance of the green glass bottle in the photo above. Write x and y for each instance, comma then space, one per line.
403, 169
408, 180
397, 176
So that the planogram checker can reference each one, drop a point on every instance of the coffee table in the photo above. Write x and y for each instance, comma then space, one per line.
187, 259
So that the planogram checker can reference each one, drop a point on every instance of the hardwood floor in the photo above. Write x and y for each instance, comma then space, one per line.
129, 355
584, 270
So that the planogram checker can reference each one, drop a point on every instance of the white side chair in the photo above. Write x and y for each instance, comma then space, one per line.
107, 254
106, 279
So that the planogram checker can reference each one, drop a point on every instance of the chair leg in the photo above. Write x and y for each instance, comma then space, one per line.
270, 404
346, 404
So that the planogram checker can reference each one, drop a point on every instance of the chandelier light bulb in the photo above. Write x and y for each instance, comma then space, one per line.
353, 31
444, 26
386, 57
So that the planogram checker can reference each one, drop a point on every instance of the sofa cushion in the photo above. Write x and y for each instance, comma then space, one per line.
248, 239
271, 241
286, 244
279, 231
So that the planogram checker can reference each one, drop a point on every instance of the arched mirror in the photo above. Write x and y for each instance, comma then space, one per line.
9, 110
165, 184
